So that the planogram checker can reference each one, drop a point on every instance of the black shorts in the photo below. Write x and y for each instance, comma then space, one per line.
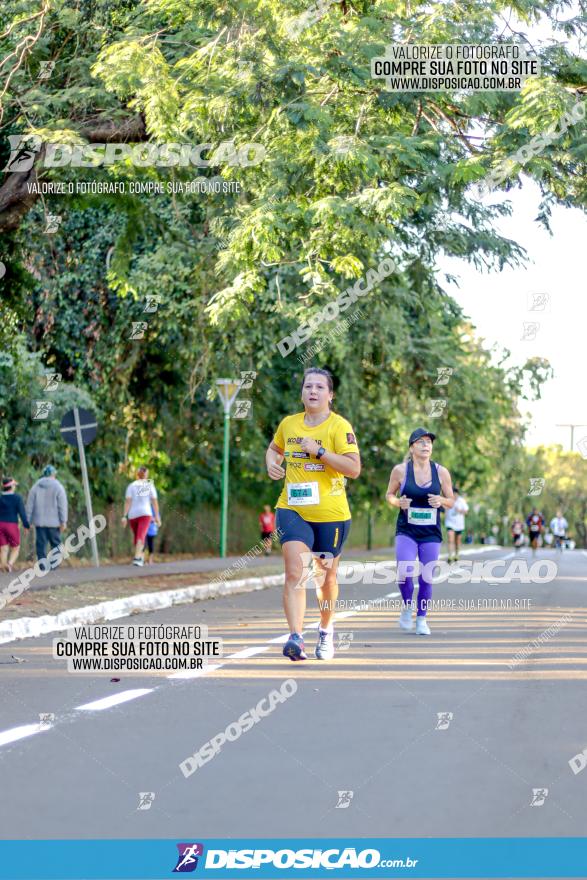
456, 531
320, 537
266, 535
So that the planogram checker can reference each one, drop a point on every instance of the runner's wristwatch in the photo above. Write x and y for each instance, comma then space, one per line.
320, 452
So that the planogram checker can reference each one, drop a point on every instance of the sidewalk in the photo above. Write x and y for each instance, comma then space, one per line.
83, 575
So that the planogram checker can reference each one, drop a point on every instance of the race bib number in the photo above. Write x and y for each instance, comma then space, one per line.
299, 494
422, 516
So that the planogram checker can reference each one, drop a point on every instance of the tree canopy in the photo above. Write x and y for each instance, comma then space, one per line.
344, 173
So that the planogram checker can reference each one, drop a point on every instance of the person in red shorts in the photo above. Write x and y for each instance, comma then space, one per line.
140, 495
267, 523
11, 508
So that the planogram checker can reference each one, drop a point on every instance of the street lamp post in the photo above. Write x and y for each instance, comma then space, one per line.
572, 427
228, 390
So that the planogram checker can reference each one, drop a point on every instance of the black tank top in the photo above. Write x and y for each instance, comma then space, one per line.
419, 528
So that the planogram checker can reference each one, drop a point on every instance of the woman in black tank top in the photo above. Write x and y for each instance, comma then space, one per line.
425, 487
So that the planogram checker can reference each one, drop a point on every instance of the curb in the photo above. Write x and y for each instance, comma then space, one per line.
32, 627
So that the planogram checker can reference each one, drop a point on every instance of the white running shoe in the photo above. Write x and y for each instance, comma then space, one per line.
324, 645
422, 628
405, 620
137, 561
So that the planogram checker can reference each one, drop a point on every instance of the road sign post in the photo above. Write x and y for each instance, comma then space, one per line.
79, 427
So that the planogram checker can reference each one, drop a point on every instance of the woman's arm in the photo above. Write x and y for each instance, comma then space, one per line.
447, 498
346, 463
395, 482
127, 503
155, 504
273, 458
22, 513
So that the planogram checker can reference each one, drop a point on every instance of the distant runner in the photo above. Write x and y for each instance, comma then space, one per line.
558, 527
424, 487
517, 530
535, 523
267, 523
313, 517
454, 523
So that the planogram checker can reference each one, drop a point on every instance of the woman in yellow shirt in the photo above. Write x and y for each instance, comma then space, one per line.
319, 449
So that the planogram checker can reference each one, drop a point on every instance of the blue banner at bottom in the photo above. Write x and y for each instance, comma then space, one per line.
471, 857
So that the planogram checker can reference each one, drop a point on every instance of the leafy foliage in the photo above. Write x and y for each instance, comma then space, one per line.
351, 173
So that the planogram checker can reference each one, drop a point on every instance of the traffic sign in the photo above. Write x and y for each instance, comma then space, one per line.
88, 426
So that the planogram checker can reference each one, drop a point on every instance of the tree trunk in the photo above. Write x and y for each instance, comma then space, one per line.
15, 198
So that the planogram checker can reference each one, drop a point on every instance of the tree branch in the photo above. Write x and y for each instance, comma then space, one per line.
15, 198
463, 138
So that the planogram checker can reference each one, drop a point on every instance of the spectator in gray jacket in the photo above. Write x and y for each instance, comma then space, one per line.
46, 509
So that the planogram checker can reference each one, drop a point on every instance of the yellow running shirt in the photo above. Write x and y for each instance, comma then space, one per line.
312, 488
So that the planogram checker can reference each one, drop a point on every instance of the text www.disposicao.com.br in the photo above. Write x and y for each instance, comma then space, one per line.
135, 664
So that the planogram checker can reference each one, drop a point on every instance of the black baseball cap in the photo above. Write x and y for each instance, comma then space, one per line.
420, 432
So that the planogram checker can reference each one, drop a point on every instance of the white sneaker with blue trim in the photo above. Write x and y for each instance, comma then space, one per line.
325, 645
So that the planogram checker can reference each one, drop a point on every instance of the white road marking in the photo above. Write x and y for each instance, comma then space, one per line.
196, 673
114, 700
16, 733
280, 640
248, 652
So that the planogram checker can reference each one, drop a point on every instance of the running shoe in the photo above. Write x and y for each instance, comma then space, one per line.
405, 619
137, 561
294, 648
324, 645
422, 628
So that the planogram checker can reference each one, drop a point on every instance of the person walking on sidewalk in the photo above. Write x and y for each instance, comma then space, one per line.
46, 509
140, 506
11, 508
152, 532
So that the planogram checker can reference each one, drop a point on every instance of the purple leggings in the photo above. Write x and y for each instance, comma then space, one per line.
408, 550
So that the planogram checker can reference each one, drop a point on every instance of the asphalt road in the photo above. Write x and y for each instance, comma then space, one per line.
366, 723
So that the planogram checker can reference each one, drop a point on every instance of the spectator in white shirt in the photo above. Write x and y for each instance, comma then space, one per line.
140, 495
454, 521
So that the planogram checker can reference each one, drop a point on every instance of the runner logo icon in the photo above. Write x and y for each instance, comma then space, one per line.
188, 857
23, 149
